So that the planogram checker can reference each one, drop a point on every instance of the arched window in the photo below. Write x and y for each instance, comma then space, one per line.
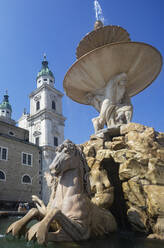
53, 105
2, 176
37, 105
26, 179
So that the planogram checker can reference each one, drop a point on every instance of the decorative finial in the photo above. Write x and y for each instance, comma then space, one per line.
44, 57
98, 24
44, 62
6, 92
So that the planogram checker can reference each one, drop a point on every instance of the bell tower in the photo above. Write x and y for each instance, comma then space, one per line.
6, 110
45, 121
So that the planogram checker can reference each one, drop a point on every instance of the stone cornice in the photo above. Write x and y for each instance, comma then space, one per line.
45, 148
19, 140
46, 115
46, 86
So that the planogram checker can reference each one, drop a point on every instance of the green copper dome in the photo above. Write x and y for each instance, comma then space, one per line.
5, 103
45, 71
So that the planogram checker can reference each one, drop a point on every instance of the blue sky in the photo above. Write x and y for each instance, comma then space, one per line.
28, 28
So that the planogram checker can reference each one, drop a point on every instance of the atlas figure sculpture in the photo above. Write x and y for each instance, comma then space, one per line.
70, 215
112, 102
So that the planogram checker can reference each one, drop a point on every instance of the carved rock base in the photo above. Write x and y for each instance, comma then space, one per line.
129, 159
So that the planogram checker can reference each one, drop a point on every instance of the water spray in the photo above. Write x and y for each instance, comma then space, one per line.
98, 11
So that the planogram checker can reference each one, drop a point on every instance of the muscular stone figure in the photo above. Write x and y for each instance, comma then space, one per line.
112, 102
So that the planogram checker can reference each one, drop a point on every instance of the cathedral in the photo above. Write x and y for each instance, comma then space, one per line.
29, 147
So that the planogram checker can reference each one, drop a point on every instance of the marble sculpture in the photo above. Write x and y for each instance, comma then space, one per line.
70, 215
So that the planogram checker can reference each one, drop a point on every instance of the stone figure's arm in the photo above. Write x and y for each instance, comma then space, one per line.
97, 102
95, 99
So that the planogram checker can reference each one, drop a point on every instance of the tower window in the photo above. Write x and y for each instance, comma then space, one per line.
53, 105
2, 176
37, 105
3, 153
37, 141
55, 141
45, 79
26, 179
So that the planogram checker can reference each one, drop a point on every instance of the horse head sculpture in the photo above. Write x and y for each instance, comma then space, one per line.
70, 213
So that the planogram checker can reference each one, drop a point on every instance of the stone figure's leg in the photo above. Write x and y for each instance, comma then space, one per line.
124, 114
110, 116
32, 231
105, 112
128, 115
17, 228
120, 119
73, 230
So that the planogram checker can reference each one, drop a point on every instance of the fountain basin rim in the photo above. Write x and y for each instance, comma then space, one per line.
142, 63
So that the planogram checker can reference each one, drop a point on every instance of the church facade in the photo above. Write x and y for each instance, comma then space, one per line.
44, 125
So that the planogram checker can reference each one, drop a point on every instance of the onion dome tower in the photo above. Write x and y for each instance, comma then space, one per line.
45, 75
6, 110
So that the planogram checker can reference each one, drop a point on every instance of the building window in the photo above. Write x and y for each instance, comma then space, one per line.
45, 79
3, 153
26, 159
37, 105
2, 176
53, 105
55, 141
37, 141
26, 179
51, 81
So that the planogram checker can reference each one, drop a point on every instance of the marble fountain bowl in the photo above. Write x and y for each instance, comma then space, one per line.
141, 62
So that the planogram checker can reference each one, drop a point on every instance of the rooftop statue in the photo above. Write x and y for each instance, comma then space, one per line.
70, 215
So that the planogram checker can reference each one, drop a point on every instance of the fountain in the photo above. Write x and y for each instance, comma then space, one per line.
87, 180
109, 70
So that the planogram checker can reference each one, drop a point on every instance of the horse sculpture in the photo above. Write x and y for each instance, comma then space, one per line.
70, 215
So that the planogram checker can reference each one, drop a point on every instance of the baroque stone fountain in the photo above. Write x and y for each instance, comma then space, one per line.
113, 180
110, 69
126, 159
